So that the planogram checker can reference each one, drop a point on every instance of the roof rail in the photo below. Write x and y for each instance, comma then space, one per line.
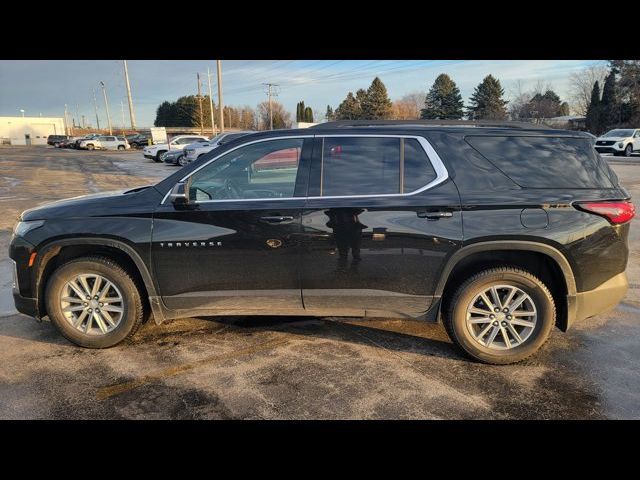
429, 123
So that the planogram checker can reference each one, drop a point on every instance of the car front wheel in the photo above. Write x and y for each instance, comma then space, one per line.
158, 155
94, 302
501, 316
182, 161
628, 150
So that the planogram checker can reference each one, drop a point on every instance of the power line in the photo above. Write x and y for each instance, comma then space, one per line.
270, 93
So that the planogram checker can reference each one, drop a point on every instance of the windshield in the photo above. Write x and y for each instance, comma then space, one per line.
619, 133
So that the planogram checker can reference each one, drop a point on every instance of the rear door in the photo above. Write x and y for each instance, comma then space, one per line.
381, 219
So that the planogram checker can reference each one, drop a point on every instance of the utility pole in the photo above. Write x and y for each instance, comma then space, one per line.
200, 104
132, 114
220, 102
269, 86
95, 105
213, 122
122, 109
83, 122
106, 106
78, 114
67, 129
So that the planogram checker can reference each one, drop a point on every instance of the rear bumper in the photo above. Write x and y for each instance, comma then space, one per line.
602, 298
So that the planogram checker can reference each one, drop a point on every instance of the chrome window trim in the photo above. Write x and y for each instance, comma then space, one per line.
442, 173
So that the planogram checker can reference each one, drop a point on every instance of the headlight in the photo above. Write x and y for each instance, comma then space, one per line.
22, 228
621, 144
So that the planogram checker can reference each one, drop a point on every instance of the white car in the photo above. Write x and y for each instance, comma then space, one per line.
177, 143
621, 141
196, 150
105, 142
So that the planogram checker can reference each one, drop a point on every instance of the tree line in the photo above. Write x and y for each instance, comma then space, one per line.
618, 103
185, 112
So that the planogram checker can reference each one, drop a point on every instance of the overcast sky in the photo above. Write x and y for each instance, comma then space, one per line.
45, 86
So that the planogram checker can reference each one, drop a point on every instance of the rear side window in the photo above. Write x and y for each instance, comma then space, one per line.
373, 166
544, 162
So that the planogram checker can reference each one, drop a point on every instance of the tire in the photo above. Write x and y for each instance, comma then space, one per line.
121, 147
181, 161
157, 157
533, 338
628, 150
90, 146
124, 286
56, 145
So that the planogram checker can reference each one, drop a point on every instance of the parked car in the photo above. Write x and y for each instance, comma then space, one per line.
173, 157
621, 141
90, 136
138, 140
178, 143
105, 142
196, 150
499, 232
55, 140
68, 143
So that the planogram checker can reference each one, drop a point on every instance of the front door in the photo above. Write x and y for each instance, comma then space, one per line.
235, 245
381, 220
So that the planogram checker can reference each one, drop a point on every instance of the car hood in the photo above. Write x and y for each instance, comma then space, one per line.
612, 139
119, 202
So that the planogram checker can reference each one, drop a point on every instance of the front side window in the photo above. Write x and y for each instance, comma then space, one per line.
259, 170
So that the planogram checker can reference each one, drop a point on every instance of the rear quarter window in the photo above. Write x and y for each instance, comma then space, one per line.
544, 162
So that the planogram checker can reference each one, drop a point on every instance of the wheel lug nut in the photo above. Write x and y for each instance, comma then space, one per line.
509, 317
492, 316
90, 310
496, 309
95, 298
85, 303
504, 324
98, 311
495, 324
505, 310
88, 297
102, 304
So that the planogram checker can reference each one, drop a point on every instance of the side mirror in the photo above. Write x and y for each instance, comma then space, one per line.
178, 195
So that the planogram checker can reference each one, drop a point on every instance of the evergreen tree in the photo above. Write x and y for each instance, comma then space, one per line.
163, 114
486, 101
609, 105
349, 109
300, 111
564, 109
443, 100
376, 105
329, 116
308, 115
593, 123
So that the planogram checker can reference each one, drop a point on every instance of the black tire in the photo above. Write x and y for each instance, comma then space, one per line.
157, 157
133, 307
90, 146
455, 318
181, 161
56, 145
628, 150
121, 147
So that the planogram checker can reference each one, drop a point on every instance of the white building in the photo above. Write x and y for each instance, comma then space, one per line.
29, 130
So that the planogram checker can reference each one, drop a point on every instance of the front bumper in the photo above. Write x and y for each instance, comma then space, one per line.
602, 298
25, 305
608, 149
148, 155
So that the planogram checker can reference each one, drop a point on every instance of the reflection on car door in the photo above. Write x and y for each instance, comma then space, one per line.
370, 244
235, 247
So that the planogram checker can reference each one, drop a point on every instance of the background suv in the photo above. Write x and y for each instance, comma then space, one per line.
500, 232
104, 142
154, 152
196, 150
621, 141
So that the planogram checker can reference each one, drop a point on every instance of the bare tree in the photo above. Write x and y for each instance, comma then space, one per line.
416, 99
281, 118
581, 85
405, 110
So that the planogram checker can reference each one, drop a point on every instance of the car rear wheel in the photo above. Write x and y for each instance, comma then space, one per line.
501, 316
121, 147
94, 302
628, 150
57, 145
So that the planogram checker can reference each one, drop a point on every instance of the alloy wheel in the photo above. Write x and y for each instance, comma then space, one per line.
501, 317
92, 304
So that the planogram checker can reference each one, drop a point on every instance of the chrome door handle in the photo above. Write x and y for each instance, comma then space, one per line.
276, 219
435, 215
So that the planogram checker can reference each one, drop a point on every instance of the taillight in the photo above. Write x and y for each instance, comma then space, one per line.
615, 212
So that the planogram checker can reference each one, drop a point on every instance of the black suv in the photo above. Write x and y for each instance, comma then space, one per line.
138, 140
55, 140
501, 232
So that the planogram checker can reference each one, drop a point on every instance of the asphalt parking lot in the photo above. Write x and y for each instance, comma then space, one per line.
291, 368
